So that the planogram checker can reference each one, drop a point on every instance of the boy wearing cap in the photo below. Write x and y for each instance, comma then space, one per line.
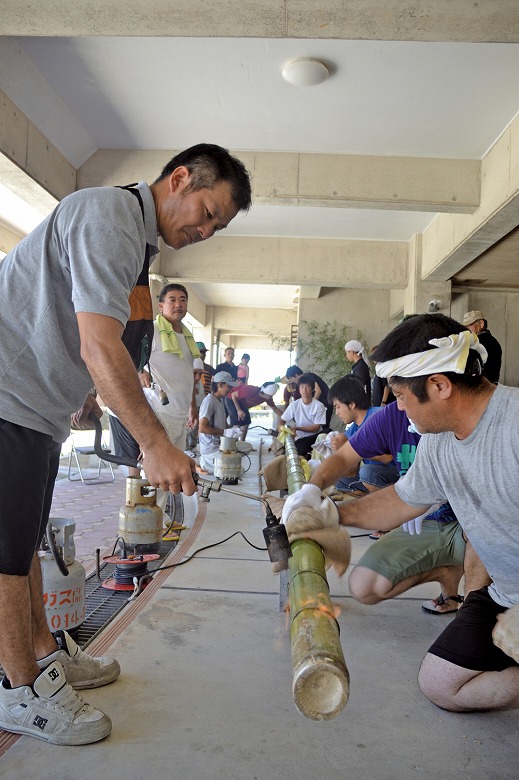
212, 419
476, 323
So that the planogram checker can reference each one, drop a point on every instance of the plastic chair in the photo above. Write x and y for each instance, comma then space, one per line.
88, 450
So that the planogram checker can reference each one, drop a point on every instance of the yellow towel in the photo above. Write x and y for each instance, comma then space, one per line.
169, 339
282, 435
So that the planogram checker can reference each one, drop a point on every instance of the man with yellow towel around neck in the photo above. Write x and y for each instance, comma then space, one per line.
171, 364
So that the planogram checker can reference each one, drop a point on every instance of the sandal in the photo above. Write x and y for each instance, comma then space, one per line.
377, 535
432, 606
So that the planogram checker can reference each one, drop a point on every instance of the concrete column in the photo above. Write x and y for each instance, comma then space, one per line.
365, 312
419, 293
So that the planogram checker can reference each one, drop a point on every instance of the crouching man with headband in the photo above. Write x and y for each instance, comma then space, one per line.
468, 456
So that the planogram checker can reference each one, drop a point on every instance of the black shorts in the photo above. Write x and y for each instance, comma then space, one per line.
233, 414
125, 445
467, 640
29, 462
304, 445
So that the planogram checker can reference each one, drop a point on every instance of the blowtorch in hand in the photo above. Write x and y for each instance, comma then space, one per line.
275, 533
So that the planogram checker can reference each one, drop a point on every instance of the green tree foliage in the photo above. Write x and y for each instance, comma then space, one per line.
320, 348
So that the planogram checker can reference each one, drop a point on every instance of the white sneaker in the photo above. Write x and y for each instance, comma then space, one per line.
81, 670
51, 710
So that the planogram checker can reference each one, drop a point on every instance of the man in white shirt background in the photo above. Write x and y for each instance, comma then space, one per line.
305, 416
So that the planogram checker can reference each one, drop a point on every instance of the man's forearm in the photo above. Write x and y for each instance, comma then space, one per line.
330, 470
343, 463
308, 428
205, 427
383, 510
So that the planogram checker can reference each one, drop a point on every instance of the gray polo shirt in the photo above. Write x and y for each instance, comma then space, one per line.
85, 257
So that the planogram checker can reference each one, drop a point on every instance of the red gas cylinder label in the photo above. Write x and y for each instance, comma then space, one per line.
65, 608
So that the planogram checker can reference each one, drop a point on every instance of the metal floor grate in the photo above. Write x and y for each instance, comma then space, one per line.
101, 604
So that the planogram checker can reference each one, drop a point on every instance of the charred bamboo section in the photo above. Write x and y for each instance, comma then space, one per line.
320, 679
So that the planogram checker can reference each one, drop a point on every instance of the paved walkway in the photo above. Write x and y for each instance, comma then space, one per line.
206, 686
95, 509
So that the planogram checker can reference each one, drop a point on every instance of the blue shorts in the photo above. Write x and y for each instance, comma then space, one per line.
377, 474
29, 462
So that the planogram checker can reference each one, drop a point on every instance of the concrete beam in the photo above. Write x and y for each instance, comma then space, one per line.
234, 320
311, 293
24, 145
364, 181
297, 261
418, 20
327, 180
452, 241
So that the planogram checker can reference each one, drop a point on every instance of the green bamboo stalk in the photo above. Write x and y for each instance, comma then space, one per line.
295, 474
320, 679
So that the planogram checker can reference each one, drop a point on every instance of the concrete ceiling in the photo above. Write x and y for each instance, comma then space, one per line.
129, 75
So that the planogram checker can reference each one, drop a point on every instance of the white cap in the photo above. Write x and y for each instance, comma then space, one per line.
224, 376
353, 346
269, 388
198, 364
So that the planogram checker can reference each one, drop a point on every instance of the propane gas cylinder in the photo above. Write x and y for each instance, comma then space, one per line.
227, 462
63, 595
140, 519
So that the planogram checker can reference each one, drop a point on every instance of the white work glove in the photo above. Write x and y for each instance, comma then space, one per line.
414, 526
308, 495
311, 518
190, 505
506, 632
335, 544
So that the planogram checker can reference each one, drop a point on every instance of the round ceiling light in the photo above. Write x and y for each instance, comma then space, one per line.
305, 72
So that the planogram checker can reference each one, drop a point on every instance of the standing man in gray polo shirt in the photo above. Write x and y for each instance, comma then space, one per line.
64, 292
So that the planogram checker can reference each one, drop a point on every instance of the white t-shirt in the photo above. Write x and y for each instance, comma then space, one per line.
313, 413
174, 375
213, 409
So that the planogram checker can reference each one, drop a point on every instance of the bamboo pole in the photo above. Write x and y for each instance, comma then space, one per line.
320, 679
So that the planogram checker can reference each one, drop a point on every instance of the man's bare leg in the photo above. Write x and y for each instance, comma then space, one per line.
369, 587
457, 689
16, 646
43, 642
28, 635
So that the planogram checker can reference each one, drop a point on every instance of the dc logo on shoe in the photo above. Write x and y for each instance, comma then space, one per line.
53, 673
40, 722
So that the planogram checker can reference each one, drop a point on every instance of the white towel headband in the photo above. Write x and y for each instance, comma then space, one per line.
450, 355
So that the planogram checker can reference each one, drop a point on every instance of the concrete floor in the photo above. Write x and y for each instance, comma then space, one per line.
205, 690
